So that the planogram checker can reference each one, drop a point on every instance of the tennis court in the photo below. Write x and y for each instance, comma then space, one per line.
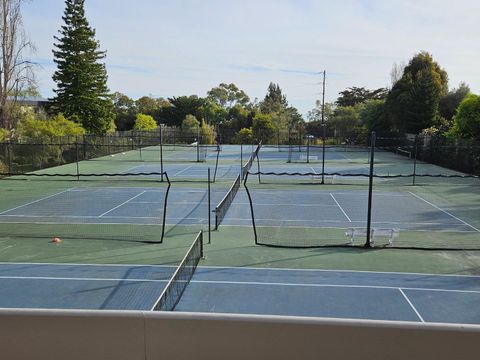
335, 294
114, 205
342, 209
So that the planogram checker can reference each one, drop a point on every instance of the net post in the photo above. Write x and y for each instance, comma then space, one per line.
165, 208
251, 209
370, 190
209, 207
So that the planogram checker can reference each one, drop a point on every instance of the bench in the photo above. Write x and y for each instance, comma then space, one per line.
354, 233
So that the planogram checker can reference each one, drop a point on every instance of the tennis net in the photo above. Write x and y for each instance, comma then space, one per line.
227, 200
173, 292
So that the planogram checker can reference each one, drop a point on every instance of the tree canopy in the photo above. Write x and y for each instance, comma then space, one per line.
467, 119
81, 80
412, 104
227, 95
357, 95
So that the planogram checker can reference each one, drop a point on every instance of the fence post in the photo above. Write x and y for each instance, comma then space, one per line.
161, 152
415, 158
370, 189
76, 161
9, 158
209, 210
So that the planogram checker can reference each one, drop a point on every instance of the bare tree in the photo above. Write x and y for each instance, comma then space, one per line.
397, 72
16, 72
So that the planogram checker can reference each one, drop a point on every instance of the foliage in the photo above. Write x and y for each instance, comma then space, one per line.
274, 100
244, 136
412, 104
357, 95
263, 128
213, 113
346, 122
125, 111
32, 128
207, 133
4, 134
81, 80
466, 123
145, 122
181, 107
450, 102
228, 95
372, 115
190, 126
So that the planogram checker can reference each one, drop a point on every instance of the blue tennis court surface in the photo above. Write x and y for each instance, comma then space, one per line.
336, 294
342, 209
115, 205
305, 208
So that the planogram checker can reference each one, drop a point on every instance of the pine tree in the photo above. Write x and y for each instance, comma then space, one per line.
82, 93
274, 101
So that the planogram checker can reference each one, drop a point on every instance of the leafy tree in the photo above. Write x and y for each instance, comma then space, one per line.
228, 95
244, 136
372, 115
412, 104
274, 100
82, 92
4, 134
346, 122
190, 126
181, 107
263, 128
213, 113
207, 133
355, 95
240, 117
32, 128
466, 123
145, 122
450, 102
125, 111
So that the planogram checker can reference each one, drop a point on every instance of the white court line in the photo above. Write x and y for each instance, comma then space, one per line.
290, 204
6, 247
411, 305
79, 279
381, 287
182, 170
116, 207
343, 211
254, 283
445, 212
35, 201
248, 268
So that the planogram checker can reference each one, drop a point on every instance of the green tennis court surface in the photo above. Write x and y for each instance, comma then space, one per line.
118, 220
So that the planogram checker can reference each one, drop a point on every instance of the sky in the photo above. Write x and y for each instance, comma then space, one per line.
185, 47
